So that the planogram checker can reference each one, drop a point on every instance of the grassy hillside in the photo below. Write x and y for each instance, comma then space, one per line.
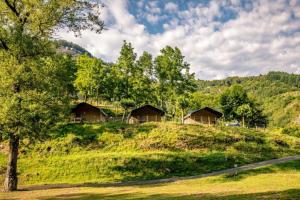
283, 109
272, 182
116, 152
277, 92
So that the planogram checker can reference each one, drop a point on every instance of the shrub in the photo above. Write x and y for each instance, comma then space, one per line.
108, 138
292, 131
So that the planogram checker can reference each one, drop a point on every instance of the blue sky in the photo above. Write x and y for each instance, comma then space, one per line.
219, 38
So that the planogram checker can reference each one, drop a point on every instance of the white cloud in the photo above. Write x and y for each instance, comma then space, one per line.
171, 7
153, 7
153, 19
255, 42
140, 4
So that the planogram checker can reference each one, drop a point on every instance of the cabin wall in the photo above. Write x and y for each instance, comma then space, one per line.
93, 117
88, 116
190, 121
135, 119
203, 117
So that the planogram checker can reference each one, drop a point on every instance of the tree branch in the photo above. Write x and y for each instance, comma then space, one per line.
12, 7
4, 45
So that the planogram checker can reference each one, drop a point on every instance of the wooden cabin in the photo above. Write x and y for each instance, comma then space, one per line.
146, 113
86, 113
204, 115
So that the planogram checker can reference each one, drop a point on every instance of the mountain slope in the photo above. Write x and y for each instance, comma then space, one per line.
277, 92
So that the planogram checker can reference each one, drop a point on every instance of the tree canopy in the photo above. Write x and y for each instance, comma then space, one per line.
236, 105
34, 87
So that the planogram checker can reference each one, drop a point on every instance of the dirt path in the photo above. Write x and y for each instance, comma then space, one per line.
166, 180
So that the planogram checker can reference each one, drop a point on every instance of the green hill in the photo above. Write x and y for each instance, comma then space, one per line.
112, 152
71, 48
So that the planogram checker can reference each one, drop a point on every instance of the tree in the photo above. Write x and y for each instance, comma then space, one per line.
143, 80
125, 70
32, 91
173, 76
237, 105
183, 103
231, 99
126, 104
244, 111
200, 99
90, 77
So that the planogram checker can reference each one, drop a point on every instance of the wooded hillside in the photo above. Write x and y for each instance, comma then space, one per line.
277, 92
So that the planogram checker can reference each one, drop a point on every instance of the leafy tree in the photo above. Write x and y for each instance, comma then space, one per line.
231, 99
257, 117
183, 103
173, 76
126, 104
237, 105
244, 111
143, 82
125, 69
200, 99
32, 92
90, 77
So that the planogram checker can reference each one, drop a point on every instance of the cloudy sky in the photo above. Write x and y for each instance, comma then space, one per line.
219, 38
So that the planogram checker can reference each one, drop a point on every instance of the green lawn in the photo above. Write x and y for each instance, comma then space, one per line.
117, 152
273, 182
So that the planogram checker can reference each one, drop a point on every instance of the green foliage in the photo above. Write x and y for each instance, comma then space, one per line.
238, 106
138, 79
201, 99
173, 77
91, 77
231, 99
127, 103
34, 90
276, 92
283, 110
125, 71
293, 131
33, 94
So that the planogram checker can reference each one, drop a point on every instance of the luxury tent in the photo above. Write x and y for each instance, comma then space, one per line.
204, 115
146, 113
86, 113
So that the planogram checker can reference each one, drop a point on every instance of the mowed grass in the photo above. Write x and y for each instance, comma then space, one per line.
272, 182
112, 152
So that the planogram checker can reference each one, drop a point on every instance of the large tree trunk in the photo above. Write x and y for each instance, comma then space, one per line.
11, 179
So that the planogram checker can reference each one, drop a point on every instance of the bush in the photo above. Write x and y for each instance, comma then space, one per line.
107, 139
292, 131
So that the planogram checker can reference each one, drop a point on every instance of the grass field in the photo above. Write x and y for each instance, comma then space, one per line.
117, 152
272, 182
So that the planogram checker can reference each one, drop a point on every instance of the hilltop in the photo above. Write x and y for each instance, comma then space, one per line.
111, 152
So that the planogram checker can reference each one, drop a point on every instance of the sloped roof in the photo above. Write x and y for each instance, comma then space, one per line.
217, 113
88, 105
148, 106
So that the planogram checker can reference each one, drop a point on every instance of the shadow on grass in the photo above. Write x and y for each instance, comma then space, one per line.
292, 194
157, 166
93, 130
